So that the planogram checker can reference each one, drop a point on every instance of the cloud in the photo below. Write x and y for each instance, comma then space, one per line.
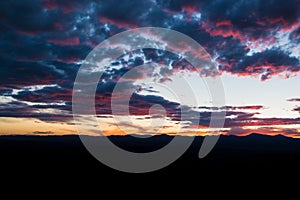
231, 108
239, 131
27, 16
297, 109
266, 64
62, 33
294, 100
43, 132
291, 132
44, 43
46, 95
65, 42
248, 120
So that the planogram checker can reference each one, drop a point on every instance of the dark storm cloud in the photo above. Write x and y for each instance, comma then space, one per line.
39, 48
27, 73
244, 13
267, 63
140, 105
5, 91
26, 15
230, 26
46, 95
297, 109
124, 11
295, 35
82, 22
230, 108
47, 117
21, 109
248, 120
43, 43
243, 21
294, 100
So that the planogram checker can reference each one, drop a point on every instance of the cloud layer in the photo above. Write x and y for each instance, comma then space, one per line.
43, 44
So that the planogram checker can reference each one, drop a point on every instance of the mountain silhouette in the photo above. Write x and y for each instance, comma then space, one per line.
67, 156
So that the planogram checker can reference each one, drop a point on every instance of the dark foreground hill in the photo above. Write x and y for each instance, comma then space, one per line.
65, 158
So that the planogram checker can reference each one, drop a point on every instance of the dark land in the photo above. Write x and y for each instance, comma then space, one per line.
64, 158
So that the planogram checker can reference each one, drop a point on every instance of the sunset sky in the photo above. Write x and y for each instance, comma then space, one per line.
254, 44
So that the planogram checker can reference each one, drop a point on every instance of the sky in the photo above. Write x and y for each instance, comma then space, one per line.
255, 45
